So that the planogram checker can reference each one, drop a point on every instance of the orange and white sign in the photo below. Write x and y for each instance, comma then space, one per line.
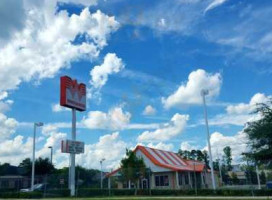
72, 94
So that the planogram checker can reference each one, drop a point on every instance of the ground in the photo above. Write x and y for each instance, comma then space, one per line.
168, 198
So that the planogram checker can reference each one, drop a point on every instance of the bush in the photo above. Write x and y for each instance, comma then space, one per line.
90, 192
57, 193
23, 195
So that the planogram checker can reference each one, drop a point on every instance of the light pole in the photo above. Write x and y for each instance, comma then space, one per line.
33, 154
51, 157
203, 94
101, 178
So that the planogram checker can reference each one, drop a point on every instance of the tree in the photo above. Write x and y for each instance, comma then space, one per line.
234, 178
185, 154
132, 168
263, 178
216, 165
228, 157
26, 165
42, 166
259, 133
206, 158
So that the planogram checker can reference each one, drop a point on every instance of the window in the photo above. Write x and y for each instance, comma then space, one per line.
180, 178
162, 180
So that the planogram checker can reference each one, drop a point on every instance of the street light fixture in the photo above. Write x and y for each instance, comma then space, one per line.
51, 158
36, 124
203, 94
101, 178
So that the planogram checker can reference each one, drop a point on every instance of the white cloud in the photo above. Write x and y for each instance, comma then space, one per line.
13, 151
214, 4
3, 95
149, 110
7, 126
10, 23
187, 146
161, 146
44, 45
189, 93
243, 108
167, 131
239, 114
58, 108
5, 105
99, 74
237, 142
115, 119
109, 146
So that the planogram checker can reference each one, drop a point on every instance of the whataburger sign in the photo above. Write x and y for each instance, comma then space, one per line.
72, 95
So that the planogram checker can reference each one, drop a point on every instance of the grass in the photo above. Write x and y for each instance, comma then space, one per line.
162, 198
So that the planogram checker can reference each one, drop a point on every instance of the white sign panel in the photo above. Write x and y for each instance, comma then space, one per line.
69, 146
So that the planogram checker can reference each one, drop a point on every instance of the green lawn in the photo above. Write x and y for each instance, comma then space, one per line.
167, 198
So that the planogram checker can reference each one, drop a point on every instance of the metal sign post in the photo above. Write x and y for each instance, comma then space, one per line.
73, 155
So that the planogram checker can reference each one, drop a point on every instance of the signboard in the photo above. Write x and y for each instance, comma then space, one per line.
72, 94
69, 146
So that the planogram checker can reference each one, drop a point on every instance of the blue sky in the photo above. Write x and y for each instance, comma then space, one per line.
153, 55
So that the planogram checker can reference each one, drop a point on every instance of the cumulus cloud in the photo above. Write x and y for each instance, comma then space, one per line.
58, 108
115, 119
9, 24
243, 108
189, 92
188, 146
45, 44
161, 146
7, 126
237, 142
18, 148
239, 114
167, 131
109, 146
149, 110
5, 105
111, 65
14, 150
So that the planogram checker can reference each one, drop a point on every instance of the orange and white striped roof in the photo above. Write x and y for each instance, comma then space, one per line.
169, 159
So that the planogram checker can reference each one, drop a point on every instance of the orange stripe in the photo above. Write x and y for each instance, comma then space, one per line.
159, 156
169, 158
176, 158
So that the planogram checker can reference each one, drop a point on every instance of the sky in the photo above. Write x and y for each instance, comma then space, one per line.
144, 64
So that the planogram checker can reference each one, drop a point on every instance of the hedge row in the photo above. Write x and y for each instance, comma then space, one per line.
33, 195
89, 192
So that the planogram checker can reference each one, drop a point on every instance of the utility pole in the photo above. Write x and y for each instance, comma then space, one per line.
203, 94
51, 154
33, 154
101, 173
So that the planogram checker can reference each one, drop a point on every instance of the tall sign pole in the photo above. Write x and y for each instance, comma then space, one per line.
73, 155
72, 95
203, 94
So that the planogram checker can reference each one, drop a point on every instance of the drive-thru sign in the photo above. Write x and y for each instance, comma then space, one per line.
69, 146
72, 95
